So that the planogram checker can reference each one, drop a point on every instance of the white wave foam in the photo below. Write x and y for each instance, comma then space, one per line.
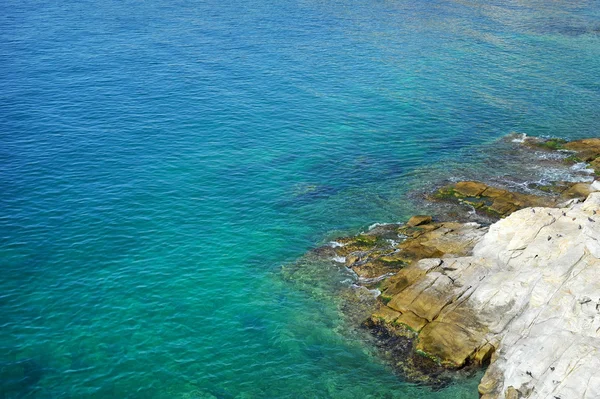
520, 138
335, 244
582, 167
339, 259
371, 227
365, 280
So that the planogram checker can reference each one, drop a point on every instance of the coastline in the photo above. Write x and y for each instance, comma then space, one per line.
442, 304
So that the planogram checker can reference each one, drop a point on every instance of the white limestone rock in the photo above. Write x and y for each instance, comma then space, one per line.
541, 301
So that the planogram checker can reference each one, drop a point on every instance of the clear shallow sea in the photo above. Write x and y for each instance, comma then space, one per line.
161, 160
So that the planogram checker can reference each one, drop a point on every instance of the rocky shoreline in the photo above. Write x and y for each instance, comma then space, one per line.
520, 296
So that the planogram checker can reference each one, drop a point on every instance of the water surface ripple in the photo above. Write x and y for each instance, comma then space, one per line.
160, 160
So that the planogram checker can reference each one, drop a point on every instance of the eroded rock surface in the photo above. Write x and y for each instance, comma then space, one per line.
527, 298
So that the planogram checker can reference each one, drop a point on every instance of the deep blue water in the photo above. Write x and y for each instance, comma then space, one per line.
161, 160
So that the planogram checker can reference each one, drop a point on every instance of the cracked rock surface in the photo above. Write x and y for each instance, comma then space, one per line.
527, 300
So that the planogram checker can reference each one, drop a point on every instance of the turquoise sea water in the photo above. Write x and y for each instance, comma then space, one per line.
161, 160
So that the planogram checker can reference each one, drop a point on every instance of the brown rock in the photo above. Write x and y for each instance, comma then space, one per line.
494, 201
470, 188
352, 258
412, 321
504, 206
400, 281
494, 192
419, 220
577, 190
490, 382
386, 314
450, 343
484, 354
427, 297
596, 165
586, 149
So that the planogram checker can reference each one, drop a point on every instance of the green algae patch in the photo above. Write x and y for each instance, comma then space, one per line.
428, 356
553, 144
572, 159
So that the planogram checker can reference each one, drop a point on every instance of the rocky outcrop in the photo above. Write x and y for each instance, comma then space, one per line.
388, 249
497, 202
521, 295
527, 299
585, 150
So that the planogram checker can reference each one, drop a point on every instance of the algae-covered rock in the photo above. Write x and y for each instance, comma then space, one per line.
386, 314
492, 201
587, 149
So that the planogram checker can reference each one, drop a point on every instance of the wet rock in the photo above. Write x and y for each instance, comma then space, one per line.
548, 144
520, 295
439, 239
396, 344
497, 202
585, 150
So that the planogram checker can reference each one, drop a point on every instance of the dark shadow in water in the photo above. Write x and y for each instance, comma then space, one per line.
18, 379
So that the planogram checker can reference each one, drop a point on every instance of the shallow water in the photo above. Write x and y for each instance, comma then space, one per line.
160, 162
